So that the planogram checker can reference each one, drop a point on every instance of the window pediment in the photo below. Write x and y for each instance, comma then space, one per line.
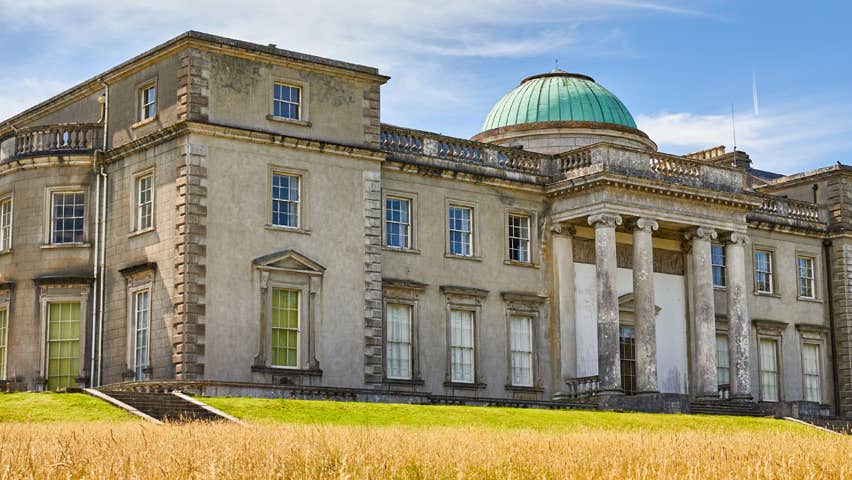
627, 303
289, 261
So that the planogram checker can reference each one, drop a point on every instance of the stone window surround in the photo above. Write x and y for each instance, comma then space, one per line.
303, 216
475, 253
48, 216
533, 240
308, 280
10, 196
134, 201
138, 279
59, 291
413, 218
403, 292
304, 87
815, 258
468, 299
773, 262
524, 304
771, 330
140, 88
814, 335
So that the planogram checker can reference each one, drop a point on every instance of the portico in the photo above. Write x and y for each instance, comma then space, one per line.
613, 210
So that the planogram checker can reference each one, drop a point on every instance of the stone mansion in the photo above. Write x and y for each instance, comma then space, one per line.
235, 217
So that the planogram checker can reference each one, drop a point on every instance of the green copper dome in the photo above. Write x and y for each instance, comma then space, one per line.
558, 96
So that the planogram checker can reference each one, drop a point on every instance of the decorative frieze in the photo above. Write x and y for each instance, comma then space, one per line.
665, 261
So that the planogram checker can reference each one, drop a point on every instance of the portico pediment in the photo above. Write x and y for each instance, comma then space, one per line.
627, 303
289, 260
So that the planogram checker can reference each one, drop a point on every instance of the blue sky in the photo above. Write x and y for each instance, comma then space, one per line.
678, 66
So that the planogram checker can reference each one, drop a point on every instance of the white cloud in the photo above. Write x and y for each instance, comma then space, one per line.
399, 37
785, 138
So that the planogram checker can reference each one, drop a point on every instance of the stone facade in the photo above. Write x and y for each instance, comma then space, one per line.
582, 268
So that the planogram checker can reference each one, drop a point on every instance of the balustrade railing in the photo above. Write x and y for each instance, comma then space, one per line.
674, 166
792, 209
406, 141
581, 387
52, 139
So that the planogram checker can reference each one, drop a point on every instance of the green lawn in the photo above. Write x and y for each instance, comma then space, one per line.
260, 410
57, 407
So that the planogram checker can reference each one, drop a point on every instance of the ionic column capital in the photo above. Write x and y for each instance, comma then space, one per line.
601, 220
735, 238
702, 233
647, 225
562, 228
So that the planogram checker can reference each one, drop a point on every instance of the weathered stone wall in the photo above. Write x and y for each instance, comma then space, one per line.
127, 248
31, 257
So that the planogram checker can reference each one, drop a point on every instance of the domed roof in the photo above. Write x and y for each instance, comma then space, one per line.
558, 96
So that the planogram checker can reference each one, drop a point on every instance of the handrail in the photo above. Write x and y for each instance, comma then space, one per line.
409, 141
63, 138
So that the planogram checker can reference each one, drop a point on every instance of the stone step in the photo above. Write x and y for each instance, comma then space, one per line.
163, 406
725, 408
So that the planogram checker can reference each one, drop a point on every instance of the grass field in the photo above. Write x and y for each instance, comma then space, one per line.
296, 439
57, 407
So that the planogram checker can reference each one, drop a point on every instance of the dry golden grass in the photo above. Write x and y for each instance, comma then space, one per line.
135, 450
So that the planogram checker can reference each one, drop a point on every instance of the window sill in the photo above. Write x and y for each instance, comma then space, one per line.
809, 299
720, 289
51, 246
464, 386
138, 233
286, 371
522, 389
402, 381
514, 263
401, 250
463, 257
292, 121
5, 252
767, 294
277, 228
142, 123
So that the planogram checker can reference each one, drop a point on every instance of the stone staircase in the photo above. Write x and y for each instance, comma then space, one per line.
725, 407
164, 406
836, 424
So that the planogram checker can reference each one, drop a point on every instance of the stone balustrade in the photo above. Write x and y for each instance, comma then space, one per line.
70, 138
788, 211
638, 163
581, 387
406, 141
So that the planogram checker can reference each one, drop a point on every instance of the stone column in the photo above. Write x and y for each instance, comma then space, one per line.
645, 306
739, 324
705, 313
609, 366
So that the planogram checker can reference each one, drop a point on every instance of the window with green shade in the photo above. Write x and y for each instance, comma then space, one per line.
63, 345
285, 328
4, 328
